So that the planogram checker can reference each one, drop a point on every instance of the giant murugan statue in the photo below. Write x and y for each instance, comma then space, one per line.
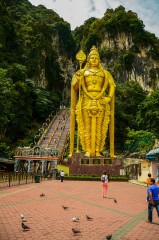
93, 87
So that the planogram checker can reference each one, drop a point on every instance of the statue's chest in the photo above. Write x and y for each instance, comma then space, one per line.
94, 77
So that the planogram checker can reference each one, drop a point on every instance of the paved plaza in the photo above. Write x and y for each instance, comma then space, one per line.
48, 220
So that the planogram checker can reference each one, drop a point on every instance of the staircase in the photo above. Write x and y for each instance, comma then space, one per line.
56, 136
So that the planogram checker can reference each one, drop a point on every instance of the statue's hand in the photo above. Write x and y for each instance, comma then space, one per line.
76, 78
104, 100
79, 72
74, 81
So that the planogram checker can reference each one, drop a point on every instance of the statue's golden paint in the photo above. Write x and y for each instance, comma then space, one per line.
94, 110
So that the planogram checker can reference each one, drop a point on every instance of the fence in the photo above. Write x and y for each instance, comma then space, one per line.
14, 179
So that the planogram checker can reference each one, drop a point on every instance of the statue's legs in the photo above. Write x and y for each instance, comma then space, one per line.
87, 132
99, 123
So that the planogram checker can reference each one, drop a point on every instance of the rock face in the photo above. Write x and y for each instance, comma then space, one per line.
47, 47
139, 67
143, 68
126, 49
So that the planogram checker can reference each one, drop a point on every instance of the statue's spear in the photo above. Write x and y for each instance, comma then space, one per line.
81, 57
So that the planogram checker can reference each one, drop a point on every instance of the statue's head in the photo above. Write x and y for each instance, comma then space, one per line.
93, 51
92, 55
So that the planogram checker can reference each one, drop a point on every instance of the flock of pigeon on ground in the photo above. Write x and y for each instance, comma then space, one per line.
74, 219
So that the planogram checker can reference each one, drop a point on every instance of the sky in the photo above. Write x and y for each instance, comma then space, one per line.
76, 12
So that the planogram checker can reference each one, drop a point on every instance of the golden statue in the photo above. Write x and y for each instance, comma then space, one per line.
94, 88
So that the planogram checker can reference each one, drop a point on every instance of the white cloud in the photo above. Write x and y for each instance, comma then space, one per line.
77, 11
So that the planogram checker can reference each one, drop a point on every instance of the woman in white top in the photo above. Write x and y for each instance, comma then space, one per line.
104, 179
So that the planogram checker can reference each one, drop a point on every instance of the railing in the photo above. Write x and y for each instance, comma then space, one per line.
15, 179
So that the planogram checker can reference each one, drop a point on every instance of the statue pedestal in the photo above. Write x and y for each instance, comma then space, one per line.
79, 164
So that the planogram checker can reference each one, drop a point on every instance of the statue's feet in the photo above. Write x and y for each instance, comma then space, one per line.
87, 154
98, 154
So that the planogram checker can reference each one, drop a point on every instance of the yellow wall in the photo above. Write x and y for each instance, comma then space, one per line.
64, 168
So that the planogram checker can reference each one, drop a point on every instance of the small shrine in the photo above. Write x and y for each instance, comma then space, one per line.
36, 160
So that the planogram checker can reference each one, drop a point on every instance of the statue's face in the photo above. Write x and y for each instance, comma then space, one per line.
94, 60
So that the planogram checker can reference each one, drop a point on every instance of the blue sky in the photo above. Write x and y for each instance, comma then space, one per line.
77, 11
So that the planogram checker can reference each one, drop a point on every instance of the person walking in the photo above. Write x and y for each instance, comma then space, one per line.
104, 179
148, 182
153, 191
62, 174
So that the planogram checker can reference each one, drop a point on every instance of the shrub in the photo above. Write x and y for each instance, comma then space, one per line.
94, 177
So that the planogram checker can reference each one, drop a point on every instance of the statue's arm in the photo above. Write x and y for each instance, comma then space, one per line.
111, 84
76, 80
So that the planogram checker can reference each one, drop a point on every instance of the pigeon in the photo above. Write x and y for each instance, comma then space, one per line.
42, 195
75, 219
24, 220
64, 207
22, 216
89, 218
109, 237
75, 231
25, 227
115, 200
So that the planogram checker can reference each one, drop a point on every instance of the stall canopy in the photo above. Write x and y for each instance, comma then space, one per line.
153, 153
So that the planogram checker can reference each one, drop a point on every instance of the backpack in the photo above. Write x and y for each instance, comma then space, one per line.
103, 179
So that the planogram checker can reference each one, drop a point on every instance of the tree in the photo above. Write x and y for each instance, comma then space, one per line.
128, 97
44, 103
5, 150
148, 114
139, 141
6, 97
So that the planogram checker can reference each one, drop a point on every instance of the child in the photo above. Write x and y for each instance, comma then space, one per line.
148, 182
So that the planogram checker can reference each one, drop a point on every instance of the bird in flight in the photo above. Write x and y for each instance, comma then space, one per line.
89, 218
25, 227
64, 207
75, 231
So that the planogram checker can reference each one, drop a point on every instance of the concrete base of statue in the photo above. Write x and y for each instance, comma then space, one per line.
80, 164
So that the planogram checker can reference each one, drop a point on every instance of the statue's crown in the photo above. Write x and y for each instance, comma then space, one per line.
93, 51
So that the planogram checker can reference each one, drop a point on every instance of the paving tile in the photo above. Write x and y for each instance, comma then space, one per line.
49, 221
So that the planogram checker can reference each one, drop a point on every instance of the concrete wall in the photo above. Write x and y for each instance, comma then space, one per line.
147, 167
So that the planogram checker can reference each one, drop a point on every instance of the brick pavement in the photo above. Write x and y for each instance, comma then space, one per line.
49, 221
